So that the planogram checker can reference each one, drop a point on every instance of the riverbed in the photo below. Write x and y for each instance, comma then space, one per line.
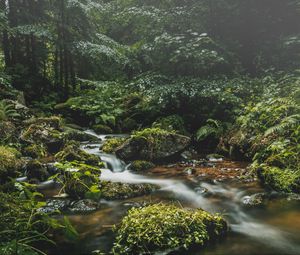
269, 227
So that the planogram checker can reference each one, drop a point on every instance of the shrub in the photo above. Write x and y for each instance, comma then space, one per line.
161, 227
171, 123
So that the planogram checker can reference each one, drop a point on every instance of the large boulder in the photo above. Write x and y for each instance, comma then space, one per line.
153, 144
160, 228
45, 131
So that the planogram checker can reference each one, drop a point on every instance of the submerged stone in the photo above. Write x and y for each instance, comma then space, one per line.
116, 190
141, 165
254, 200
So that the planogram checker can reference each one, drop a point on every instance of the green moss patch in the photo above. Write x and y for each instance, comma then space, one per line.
115, 190
112, 144
10, 163
141, 165
280, 179
72, 152
161, 227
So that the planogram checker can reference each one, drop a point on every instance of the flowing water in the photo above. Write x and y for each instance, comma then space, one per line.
272, 228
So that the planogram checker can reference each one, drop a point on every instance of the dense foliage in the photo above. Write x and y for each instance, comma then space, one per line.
211, 76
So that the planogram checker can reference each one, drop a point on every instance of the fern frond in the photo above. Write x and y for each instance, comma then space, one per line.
286, 124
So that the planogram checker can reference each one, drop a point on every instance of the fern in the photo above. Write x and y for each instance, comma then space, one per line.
285, 125
7, 111
212, 127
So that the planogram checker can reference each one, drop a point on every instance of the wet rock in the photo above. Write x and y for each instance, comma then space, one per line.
36, 170
55, 206
84, 205
293, 197
51, 168
201, 190
78, 135
189, 170
102, 129
141, 165
152, 146
114, 190
67, 205
215, 157
72, 152
45, 131
254, 200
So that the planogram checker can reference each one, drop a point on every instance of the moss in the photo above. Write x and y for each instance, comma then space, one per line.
35, 151
36, 171
72, 152
112, 144
10, 163
80, 180
102, 129
149, 133
77, 135
7, 132
45, 131
152, 136
141, 165
161, 227
280, 179
114, 190
53, 122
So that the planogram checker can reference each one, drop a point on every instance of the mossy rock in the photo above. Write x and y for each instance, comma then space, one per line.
35, 151
153, 144
102, 129
80, 180
77, 135
116, 190
45, 131
160, 227
10, 163
35, 170
279, 179
72, 152
141, 165
53, 122
110, 145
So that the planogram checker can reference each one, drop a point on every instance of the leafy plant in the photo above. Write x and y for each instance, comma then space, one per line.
212, 128
7, 111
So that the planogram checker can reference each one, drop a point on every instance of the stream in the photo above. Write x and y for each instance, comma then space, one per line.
270, 228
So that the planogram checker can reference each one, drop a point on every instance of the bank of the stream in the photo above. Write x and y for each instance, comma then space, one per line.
261, 221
